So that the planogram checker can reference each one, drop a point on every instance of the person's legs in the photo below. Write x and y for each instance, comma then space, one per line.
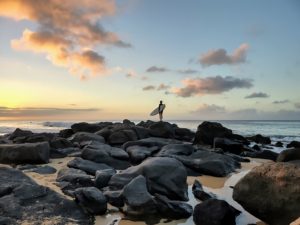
160, 116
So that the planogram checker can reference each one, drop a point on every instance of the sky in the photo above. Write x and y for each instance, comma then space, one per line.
111, 60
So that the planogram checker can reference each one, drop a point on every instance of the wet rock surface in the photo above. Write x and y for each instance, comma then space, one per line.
215, 212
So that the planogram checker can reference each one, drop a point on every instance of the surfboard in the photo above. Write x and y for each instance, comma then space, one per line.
155, 111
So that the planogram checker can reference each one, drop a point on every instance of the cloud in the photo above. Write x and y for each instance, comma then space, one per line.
131, 73
210, 85
220, 56
205, 108
187, 71
67, 32
215, 112
297, 105
281, 101
163, 87
257, 95
149, 88
40, 112
155, 69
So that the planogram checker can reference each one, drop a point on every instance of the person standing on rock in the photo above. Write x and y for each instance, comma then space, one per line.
161, 108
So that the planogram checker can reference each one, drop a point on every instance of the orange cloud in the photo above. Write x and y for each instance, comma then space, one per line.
66, 30
220, 56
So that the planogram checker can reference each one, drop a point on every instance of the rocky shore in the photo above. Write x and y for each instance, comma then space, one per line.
146, 172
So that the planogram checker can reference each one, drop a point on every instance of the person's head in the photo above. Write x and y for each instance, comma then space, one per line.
160, 102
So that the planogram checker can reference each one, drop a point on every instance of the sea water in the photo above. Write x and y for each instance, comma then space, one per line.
284, 131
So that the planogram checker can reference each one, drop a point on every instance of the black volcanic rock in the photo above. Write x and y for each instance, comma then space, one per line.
88, 166
85, 136
260, 139
102, 177
27, 201
199, 193
165, 176
215, 212
91, 200
138, 200
228, 145
208, 131
86, 127
25, 153
294, 144
176, 149
66, 133
172, 209
102, 153
20, 133
265, 154
209, 163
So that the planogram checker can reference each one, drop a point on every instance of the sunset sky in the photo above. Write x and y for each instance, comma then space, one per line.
110, 60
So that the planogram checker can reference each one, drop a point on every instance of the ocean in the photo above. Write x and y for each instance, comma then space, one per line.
284, 131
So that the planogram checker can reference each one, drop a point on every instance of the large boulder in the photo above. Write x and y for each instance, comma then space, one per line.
165, 176
184, 134
215, 212
228, 145
271, 192
20, 133
85, 136
162, 129
65, 133
176, 149
88, 166
115, 198
102, 177
289, 155
113, 157
209, 163
172, 209
91, 200
207, 131
86, 127
70, 179
294, 144
265, 154
25, 153
260, 139
138, 153
59, 143
138, 200
35, 138
122, 136
151, 142
24, 200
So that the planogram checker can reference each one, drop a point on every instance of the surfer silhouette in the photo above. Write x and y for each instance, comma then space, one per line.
161, 108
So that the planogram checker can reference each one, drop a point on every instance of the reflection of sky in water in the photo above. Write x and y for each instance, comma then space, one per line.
224, 193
